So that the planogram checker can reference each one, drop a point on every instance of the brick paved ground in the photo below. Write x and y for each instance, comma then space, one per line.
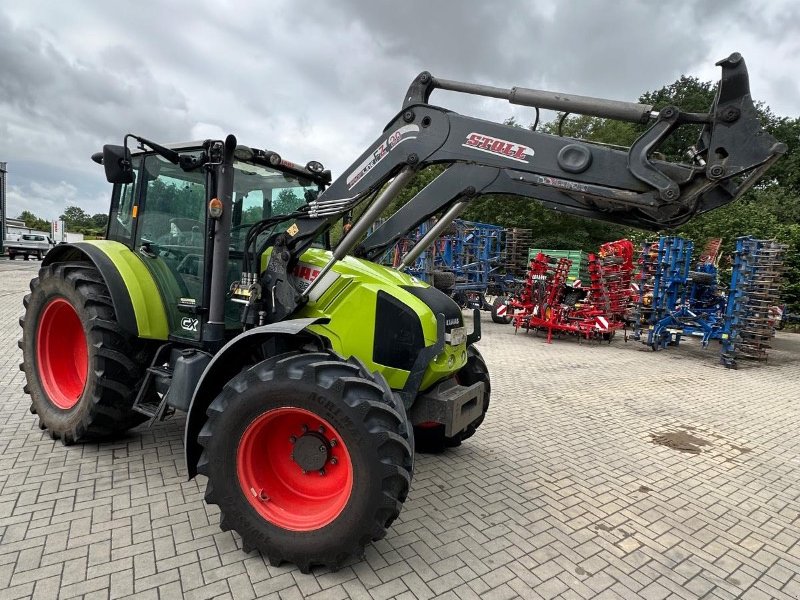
562, 493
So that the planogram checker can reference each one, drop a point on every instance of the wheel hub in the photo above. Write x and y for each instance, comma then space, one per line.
311, 451
62, 354
294, 468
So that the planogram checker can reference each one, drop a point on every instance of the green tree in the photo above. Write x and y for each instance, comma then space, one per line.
76, 218
34, 222
286, 202
99, 221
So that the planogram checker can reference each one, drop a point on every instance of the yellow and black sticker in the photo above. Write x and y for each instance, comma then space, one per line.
292, 231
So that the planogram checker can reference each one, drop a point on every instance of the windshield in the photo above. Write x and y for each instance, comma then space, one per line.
261, 193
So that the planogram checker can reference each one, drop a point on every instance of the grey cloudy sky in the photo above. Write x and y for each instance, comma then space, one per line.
319, 80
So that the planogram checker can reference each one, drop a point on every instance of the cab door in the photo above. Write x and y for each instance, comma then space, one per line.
170, 238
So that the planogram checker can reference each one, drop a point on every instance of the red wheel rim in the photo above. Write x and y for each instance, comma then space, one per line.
62, 354
275, 484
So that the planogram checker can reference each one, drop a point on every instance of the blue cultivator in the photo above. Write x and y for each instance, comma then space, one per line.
675, 301
466, 261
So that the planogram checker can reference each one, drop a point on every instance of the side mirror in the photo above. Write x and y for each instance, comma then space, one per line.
117, 164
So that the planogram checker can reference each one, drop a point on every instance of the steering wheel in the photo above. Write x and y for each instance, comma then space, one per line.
190, 265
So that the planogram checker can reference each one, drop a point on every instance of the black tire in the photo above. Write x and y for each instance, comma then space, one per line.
115, 360
432, 439
443, 280
701, 278
39, 254
504, 319
26, 257
12, 256
360, 409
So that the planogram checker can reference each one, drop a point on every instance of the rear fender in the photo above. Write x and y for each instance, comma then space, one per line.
239, 354
137, 302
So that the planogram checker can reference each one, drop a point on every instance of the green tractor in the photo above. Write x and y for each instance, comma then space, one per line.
307, 371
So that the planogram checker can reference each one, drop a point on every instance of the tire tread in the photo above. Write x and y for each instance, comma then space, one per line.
365, 395
117, 362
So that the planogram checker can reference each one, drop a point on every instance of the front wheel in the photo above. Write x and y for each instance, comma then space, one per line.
309, 458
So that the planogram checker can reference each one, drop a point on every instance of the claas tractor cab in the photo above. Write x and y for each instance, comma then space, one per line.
309, 373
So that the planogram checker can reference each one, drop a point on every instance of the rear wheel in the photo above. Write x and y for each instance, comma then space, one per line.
309, 458
82, 370
430, 437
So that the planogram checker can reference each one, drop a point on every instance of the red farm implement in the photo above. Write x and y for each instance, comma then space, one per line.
547, 303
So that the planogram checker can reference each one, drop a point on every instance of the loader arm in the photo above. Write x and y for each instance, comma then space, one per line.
622, 186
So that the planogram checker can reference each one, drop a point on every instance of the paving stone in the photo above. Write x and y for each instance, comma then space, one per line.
561, 493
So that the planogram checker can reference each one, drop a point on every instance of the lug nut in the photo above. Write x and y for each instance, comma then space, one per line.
322, 472
292, 439
322, 448
333, 443
304, 428
334, 460
321, 429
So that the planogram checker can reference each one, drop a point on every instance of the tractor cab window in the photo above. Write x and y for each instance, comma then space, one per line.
170, 236
261, 193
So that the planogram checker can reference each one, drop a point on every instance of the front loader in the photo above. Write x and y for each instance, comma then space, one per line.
307, 373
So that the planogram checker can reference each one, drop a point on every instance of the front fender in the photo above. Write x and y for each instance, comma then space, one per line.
231, 360
137, 302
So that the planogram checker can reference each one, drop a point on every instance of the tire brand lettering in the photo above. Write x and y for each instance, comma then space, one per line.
499, 147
